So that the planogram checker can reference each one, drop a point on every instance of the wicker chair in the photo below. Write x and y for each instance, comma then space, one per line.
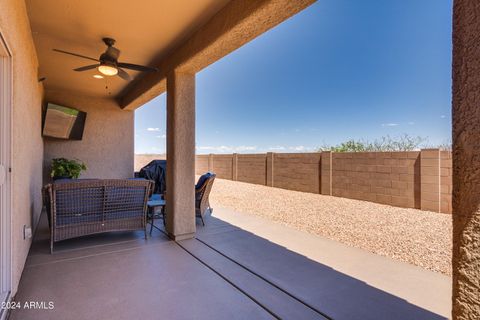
82, 207
202, 192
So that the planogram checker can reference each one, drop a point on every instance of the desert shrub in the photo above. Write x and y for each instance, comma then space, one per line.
385, 143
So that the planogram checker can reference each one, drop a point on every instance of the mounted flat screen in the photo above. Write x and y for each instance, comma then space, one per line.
63, 122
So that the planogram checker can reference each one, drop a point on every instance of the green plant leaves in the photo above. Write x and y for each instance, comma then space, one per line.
62, 167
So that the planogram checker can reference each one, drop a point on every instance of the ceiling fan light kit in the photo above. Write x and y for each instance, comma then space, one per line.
108, 64
107, 70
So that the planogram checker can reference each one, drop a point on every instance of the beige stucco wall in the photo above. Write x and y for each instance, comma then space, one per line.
27, 148
107, 147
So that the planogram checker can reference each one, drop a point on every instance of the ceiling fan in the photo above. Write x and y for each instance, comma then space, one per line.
108, 64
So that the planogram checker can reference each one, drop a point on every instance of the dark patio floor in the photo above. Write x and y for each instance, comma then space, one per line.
225, 273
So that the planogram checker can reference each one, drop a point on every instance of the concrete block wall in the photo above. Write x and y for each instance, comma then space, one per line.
270, 168
222, 165
417, 179
201, 163
436, 180
250, 168
326, 173
382, 177
430, 180
446, 181
297, 171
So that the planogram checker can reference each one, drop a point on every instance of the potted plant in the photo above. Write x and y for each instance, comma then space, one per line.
66, 169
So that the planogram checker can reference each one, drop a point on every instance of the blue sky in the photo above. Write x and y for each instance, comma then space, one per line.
340, 69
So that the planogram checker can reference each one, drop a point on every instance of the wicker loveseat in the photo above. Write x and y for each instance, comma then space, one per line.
81, 207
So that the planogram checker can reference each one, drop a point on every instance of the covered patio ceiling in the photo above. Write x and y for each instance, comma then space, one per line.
145, 32
180, 35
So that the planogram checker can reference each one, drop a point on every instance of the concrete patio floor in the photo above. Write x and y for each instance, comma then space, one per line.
425, 289
238, 267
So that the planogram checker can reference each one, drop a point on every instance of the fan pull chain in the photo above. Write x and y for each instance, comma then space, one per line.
106, 86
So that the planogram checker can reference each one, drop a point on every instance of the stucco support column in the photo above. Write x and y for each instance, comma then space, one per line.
180, 199
466, 160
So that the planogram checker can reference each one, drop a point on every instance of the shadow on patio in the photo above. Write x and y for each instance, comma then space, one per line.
226, 272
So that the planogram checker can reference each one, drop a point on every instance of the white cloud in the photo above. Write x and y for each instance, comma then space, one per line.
153, 129
226, 149
443, 116
246, 148
390, 124
213, 149
163, 136
297, 130
298, 148
253, 149
411, 123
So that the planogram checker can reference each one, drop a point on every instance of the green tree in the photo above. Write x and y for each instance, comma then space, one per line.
349, 146
385, 143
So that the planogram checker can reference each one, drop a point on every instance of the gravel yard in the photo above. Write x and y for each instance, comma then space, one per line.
418, 237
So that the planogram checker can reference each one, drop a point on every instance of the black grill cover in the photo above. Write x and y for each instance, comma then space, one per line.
156, 170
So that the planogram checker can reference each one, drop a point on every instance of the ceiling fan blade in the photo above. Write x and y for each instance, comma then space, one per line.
122, 74
93, 66
136, 67
75, 54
